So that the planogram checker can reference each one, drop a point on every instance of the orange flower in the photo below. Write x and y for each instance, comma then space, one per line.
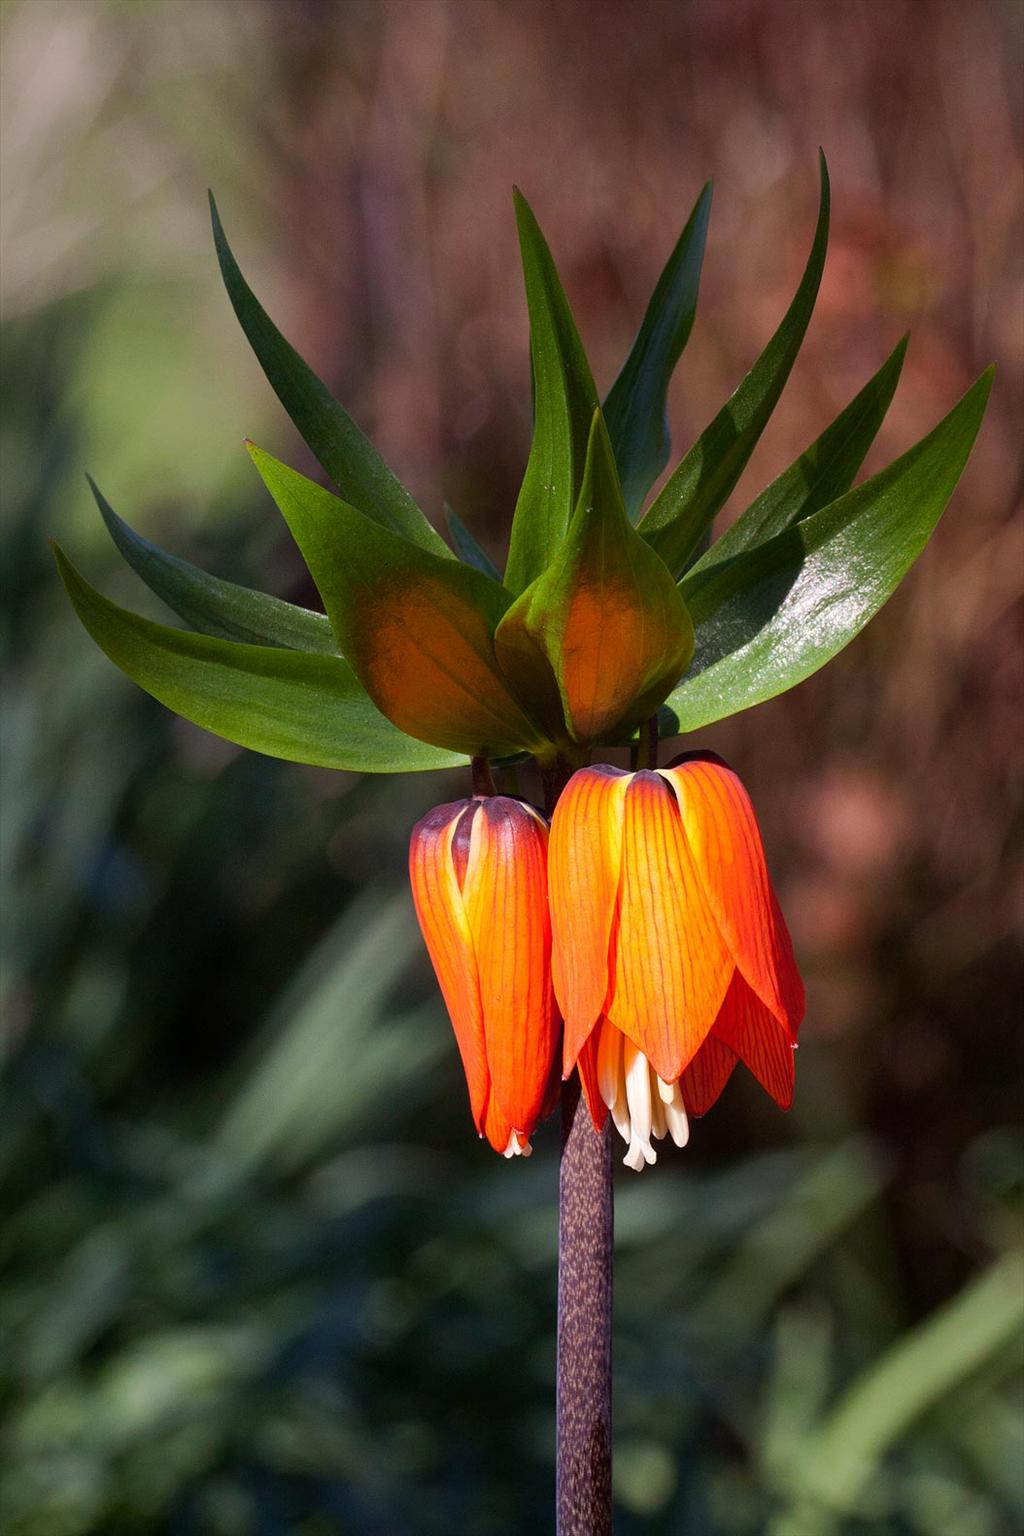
479, 883
670, 957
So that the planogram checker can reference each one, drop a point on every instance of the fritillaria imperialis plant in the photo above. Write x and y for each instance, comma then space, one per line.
637, 907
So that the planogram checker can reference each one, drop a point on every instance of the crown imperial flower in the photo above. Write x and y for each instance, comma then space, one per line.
479, 881
671, 959
617, 618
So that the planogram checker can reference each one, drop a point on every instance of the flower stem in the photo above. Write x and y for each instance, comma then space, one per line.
483, 779
583, 1484
584, 1402
649, 743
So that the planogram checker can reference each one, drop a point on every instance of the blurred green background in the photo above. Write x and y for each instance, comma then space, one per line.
258, 1275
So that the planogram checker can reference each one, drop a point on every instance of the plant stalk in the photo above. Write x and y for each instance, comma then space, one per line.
583, 1492
583, 1477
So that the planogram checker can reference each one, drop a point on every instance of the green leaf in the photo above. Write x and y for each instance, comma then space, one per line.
418, 630
350, 459
776, 613
605, 620
979, 1323
704, 478
466, 546
213, 606
564, 400
309, 709
823, 472
636, 410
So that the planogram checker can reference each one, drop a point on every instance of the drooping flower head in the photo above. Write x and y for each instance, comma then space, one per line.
671, 959
479, 880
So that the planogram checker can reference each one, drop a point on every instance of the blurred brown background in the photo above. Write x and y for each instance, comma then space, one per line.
254, 1286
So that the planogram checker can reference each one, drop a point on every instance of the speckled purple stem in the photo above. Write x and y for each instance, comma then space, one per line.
583, 1494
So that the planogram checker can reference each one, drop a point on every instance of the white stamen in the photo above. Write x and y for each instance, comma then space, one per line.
658, 1121
666, 1091
676, 1118
620, 1113
642, 1104
638, 1097
517, 1148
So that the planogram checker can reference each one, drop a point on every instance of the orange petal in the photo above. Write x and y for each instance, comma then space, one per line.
425, 654
670, 967
553, 1090
706, 1076
445, 927
764, 1045
722, 831
583, 881
505, 894
497, 1126
586, 1064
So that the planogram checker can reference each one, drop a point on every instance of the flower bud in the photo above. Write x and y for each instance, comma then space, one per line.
479, 881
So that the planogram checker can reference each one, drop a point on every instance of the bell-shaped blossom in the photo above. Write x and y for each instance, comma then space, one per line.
670, 957
479, 881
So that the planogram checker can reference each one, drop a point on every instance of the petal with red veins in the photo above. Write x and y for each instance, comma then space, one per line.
671, 967
583, 879
722, 831
586, 1064
442, 917
497, 1127
764, 1045
505, 895
706, 1076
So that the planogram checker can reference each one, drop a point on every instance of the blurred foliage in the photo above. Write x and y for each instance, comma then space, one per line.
259, 1277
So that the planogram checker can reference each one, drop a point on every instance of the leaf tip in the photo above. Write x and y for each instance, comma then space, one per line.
525, 218
894, 362
106, 511
65, 569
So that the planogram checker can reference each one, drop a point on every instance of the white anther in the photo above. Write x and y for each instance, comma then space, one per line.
620, 1113
638, 1090
676, 1118
635, 1157
517, 1148
642, 1104
658, 1122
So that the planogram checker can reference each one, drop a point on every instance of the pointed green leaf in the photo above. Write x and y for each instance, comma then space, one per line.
418, 630
704, 478
213, 606
467, 548
605, 619
776, 613
350, 459
933, 1361
823, 472
564, 400
636, 410
309, 709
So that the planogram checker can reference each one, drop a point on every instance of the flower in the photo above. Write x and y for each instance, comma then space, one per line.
479, 882
670, 956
